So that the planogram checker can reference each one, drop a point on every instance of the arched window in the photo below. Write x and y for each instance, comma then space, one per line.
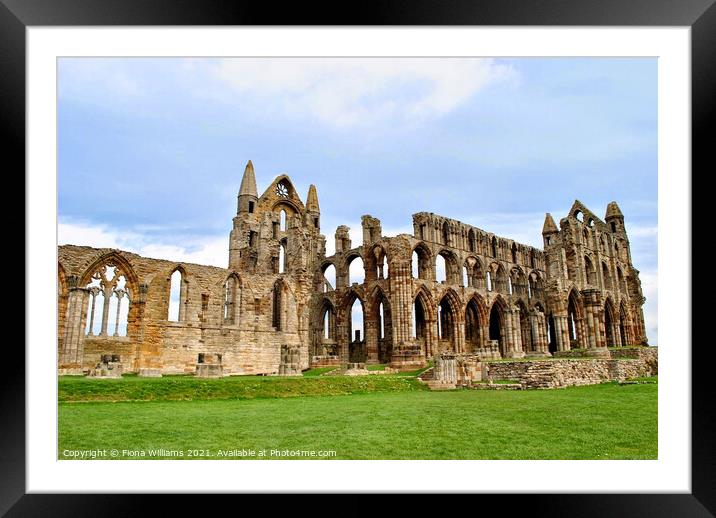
329, 278
419, 323
177, 296
489, 281
282, 220
327, 324
471, 240
109, 301
493, 246
440, 269
381, 316
356, 330
277, 306
231, 300
356, 270
282, 257
514, 253
421, 263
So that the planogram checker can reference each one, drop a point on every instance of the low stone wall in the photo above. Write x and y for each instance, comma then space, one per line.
600, 352
649, 355
564, 373
325, 361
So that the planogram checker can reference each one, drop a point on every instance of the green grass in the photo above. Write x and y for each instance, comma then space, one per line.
320, 371
376, 367
171, 388
608, 421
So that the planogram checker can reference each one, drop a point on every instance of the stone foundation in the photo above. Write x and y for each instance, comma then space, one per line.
565, 373
598, 352
325, 361
407, 358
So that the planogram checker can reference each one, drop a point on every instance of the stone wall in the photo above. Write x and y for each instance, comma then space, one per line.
564, 373
649, 355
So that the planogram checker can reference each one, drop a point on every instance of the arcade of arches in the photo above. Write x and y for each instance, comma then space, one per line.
448, 287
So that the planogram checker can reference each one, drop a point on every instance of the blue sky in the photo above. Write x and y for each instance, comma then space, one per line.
151, 151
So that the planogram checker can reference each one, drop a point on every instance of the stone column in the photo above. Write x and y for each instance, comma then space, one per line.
107, 292
595, 320
372, 332
562, 333
70, 360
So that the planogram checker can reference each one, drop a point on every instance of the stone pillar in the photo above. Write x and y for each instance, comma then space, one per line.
372, 332
105, 310
562, 333
595, 322
72, 352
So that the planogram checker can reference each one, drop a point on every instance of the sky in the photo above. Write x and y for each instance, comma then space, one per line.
151, 151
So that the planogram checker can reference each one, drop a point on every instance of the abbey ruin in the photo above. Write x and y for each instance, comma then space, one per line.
282, 306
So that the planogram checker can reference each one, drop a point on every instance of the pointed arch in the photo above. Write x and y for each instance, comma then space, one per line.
278, 297
575, 314
422, 262
452, 269
382, 315
422, 314
476, 319
328, 273
232, 299
496, 325
376, 262
112, 285
355, 268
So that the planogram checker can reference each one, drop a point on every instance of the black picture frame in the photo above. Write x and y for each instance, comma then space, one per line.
700, 15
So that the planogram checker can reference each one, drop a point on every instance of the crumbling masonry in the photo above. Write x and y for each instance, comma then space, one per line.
274, 310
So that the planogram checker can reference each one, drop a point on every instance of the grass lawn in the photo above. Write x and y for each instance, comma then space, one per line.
368, 417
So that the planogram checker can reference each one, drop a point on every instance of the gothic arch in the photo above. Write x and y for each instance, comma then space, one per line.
423, 315
383, 323
474, 272
452, 268
496, 323
112, 286
425, 270
448, 319
476, 319
525, 326
575, 315
376, 263
232, 299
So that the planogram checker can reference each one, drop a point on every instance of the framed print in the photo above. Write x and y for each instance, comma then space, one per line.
396, 302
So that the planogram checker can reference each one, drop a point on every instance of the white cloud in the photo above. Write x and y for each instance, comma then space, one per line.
212, 251
344, 92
